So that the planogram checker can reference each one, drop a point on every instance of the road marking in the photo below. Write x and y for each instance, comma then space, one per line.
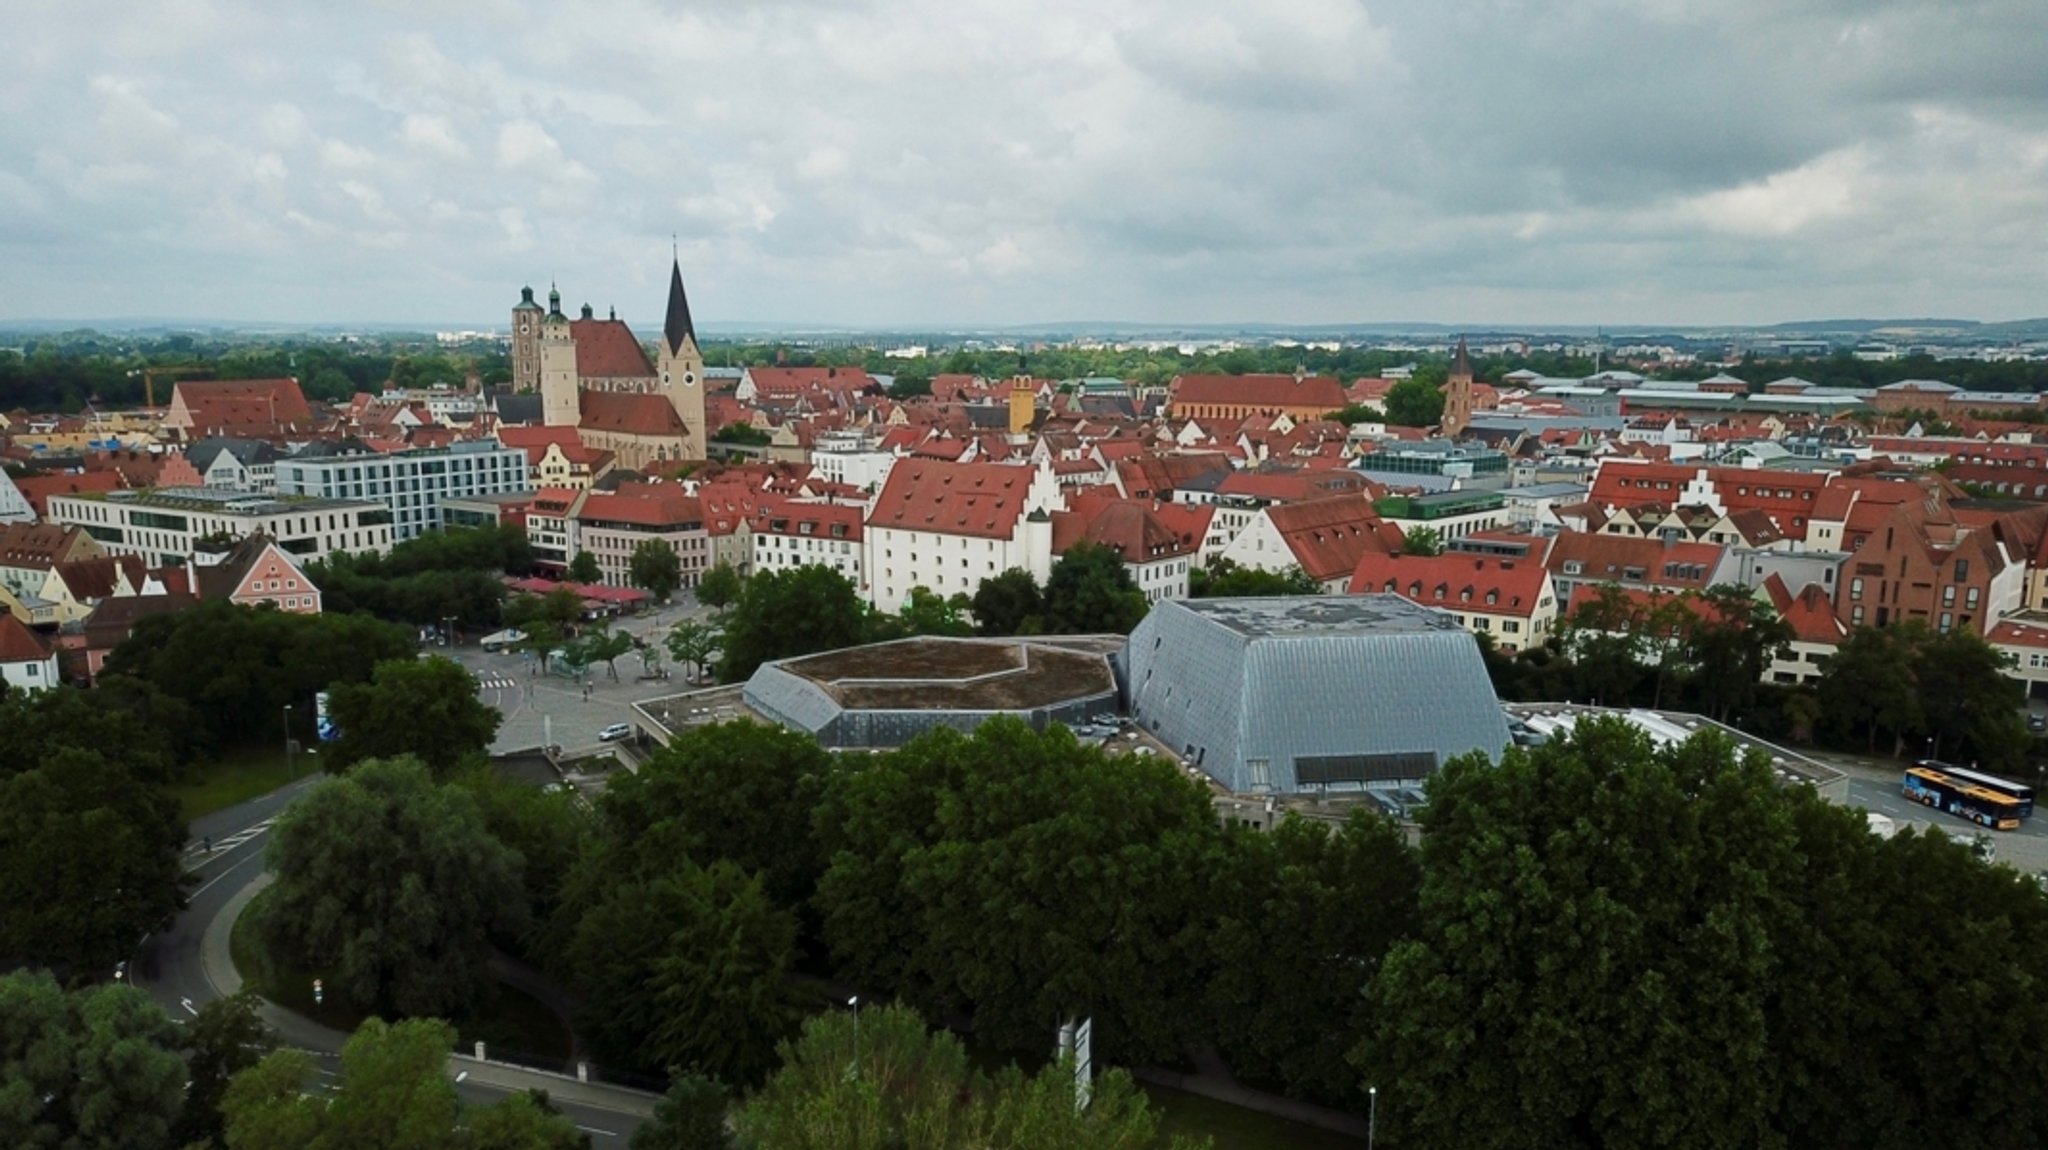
187, 1004
462, 1076
229, 842
208, 884
595, 1130
495, 682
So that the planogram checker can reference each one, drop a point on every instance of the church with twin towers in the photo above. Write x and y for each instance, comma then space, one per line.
593, 375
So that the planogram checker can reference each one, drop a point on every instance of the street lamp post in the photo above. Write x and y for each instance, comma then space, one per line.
854, 1002
1372, 1116
290, 766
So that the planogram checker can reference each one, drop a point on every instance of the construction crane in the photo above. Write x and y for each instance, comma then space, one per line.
151, 374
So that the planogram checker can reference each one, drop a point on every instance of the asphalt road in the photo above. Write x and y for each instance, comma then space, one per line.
170, 967
1875, 786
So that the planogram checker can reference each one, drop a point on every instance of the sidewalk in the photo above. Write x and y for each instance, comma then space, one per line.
560, 1087
1212, 1079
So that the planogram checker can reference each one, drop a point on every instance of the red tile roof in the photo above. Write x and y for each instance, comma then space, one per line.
37, 489
39, 545
1320, 392
797, 380
1810, 613
606, 349
90, 580
778, 516
1455, 581
662, 507
630, 413
1293, 486
1137, 529
982, 500
1607, 558
229, 406
18, 644
1329, 536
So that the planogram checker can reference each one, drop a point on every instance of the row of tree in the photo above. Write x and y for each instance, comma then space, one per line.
788, 612
104, 1068
1683, 943
238, 668
1898, 688
430, 579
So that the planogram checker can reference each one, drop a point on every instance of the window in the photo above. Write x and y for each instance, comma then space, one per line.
1947, 621
1855, 588
1962, 570
1970, 600
1511, 627
1948, 595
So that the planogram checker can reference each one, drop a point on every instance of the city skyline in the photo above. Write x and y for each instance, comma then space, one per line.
912, 166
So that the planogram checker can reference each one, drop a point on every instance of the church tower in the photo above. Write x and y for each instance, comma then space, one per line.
559, 404
526, 321
682, 365
1458, 395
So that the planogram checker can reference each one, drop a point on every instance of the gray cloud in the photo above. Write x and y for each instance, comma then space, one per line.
927, 162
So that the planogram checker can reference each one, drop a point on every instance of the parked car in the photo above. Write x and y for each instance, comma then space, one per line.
2037, 722
615, 732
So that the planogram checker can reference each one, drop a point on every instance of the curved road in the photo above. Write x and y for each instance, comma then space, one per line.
183, 970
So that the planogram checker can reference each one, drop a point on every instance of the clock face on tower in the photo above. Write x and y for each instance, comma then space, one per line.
524, 327
689, 379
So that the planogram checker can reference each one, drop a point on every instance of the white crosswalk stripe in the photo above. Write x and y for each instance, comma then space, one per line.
494, 682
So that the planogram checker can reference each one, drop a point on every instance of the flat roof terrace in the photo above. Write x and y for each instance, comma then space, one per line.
960, 674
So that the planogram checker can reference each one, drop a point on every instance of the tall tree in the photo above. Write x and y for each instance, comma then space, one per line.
1732, 644
583, 568
882, 1080
392, 885
525, 1121
1593, 966
1422, 540
96, 1069
1287, 1012
547, 827
689, 970
1026, 877
693, 641
926, 612
1971, 707
719, 587
794, 611
226, 1037
1868, 684
740, 791
393, 1093
1009, 604
1415, 402
426, 708
602, 644
1605, 638
656, 567
239, 667
1221, 579
690, 1116
90, 848
1090, 591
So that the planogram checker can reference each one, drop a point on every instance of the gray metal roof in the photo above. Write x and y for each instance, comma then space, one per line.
1357, 688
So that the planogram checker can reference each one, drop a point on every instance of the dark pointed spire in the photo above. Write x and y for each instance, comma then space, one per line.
1461, 363
678, 323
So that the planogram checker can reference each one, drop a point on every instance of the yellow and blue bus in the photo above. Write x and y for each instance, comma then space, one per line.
2019, 792
1936, 785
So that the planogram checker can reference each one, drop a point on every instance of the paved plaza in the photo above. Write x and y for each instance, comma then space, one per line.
571, 712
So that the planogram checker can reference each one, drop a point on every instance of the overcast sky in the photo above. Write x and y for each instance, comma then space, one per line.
1023, 161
